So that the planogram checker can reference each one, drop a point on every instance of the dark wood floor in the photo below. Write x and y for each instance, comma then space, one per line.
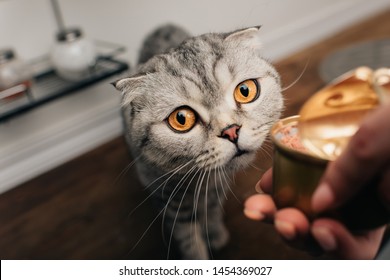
81, 210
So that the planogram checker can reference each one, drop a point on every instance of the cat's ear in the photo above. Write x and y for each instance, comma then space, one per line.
249, 37
128, 87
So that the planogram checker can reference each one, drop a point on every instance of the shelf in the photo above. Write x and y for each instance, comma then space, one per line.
48, 86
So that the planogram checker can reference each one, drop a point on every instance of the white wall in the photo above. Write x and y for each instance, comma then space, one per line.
29, 25
44, 138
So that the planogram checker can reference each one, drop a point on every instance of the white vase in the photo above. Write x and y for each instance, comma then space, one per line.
73, 56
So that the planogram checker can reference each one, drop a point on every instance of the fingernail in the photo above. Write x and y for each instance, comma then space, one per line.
253, 214
325, 237
322, 198
286, 229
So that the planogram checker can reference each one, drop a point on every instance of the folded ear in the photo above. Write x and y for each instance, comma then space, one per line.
249, 37
129, 87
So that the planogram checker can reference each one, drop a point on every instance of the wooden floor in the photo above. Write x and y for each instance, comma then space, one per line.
81, 210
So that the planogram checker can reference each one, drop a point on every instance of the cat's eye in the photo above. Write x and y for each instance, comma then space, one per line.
247, 91
182, 119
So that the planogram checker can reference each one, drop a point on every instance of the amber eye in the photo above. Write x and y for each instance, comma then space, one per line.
247, 91
182, 119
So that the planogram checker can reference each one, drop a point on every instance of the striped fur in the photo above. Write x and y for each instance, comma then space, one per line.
187, 173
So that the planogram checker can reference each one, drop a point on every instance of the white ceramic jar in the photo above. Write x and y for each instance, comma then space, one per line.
73, 56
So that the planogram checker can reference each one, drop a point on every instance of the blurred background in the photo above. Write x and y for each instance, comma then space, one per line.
58, 118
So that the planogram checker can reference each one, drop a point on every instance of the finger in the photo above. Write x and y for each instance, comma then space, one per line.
367, 152
333, 237
265, 183
291, 223
260, 207
294, 227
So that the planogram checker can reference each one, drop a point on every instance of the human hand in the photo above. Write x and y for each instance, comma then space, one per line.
290, 223
295, 228
367, 156
362, 160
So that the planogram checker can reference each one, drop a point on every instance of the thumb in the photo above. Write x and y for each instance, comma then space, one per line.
333, 237
365, 156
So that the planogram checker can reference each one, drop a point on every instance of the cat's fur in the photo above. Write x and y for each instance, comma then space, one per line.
186, 172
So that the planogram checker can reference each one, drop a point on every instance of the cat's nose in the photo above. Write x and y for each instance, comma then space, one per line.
231, 132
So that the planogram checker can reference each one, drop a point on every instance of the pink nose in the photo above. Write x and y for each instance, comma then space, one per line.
231, 132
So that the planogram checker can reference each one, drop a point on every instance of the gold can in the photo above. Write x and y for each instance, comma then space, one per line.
296, 174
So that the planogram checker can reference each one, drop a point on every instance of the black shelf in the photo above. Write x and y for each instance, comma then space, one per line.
48, 86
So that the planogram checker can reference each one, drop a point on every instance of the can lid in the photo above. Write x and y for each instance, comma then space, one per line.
286, 150
69, 35
6, 55
332, 115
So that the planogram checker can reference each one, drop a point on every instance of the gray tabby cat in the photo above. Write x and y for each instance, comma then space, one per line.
192, 115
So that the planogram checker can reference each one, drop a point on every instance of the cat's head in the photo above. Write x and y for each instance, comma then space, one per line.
211, 101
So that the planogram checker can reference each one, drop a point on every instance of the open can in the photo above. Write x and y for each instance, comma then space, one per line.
296, 174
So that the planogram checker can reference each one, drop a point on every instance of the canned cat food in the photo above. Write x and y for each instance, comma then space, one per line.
296, 174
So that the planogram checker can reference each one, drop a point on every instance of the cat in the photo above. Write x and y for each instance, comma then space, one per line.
194, 113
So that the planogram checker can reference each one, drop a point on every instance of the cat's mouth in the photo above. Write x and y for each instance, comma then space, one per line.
240, 152
241, 158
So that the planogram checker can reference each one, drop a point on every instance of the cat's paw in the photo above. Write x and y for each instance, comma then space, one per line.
219, 239
195, 250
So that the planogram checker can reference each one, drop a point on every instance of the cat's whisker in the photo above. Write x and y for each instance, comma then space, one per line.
206, 213
164, 184
221, 181
188, 174
228, 186
198, 173
226, 176
234, 176
162, 210
170, 198
254, 166
174, 191
268, 148
299, 77
198, 189
146, 231
193, 216
125, 170
229, 179
181, 183
177, 169
265, 152
217, 188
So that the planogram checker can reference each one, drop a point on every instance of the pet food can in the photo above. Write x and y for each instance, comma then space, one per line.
296, 174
